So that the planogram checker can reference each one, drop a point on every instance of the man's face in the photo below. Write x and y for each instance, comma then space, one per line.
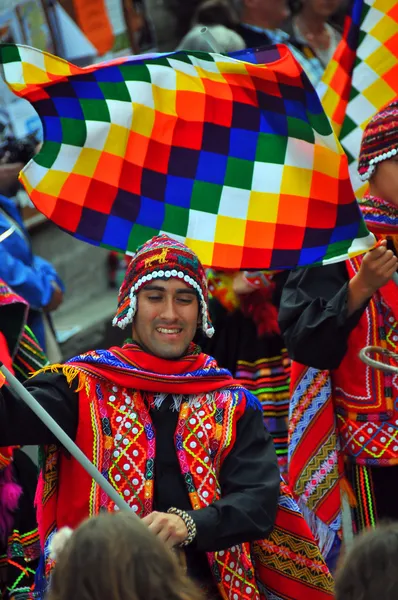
273, 12
384, 182
167, 317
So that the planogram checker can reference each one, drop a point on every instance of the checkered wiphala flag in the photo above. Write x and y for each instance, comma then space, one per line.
363, 75
232, 155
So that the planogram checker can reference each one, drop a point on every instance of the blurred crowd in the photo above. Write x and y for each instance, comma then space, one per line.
311, 29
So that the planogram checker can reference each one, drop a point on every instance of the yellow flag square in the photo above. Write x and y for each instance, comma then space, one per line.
117, 139
230, 230
52, 183
87, 162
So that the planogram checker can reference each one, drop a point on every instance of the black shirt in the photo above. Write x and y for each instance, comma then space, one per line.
249, 477
253, 38
313, 315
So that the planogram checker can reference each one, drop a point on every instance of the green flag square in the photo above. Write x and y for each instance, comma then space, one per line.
239, 173
206, 197
48, 154
271, 148
176, 220
135, 72
115, 91
300, 130
139, 235
74, 132
95, 110
9, 53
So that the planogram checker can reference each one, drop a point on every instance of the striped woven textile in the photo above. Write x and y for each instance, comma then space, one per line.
269, 380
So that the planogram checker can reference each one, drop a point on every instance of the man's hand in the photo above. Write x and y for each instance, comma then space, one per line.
169, 528
56, 299
377, 268
240, 284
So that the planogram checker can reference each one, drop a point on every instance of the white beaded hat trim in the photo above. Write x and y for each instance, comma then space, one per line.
128, 319
374, 161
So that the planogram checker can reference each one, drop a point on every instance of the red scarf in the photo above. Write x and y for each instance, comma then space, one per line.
132, 367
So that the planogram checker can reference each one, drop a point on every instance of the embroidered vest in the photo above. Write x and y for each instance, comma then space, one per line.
366, 398
115, 431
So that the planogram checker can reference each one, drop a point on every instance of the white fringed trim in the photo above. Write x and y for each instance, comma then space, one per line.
194, 401
374, 161
324, 535
58, 542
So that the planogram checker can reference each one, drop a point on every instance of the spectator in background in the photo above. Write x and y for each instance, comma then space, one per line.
30, 276
116, 557
260, 22
310, 26
19, 537
369, 570
221, 20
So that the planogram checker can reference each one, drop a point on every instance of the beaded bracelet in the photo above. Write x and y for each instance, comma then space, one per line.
189, 524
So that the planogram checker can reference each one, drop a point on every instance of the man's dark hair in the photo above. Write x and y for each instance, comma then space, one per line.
369, 571
217, 12
14, 150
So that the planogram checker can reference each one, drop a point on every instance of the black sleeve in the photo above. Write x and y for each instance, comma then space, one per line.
250, 483
19, 426
313, 315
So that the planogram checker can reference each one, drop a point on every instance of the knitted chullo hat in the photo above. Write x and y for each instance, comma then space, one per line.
162, 258
379, 141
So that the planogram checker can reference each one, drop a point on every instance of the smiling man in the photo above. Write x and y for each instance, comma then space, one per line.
179, 439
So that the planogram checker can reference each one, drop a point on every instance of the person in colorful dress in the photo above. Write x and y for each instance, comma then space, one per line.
343, 427
29, 275
19, 536
178, 438
248, 343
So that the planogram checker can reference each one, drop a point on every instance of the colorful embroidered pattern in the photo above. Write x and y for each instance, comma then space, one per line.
290, 549
365, 512
313, 445
236, 159
12, 324
29, 357
380, 140
380, 215
367, 415
364, 407
7, 296
269, 380
363, 75
116, 433
204, 434
18, 566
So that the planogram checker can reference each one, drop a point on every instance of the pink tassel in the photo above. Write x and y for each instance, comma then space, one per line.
39, 508
10, 493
